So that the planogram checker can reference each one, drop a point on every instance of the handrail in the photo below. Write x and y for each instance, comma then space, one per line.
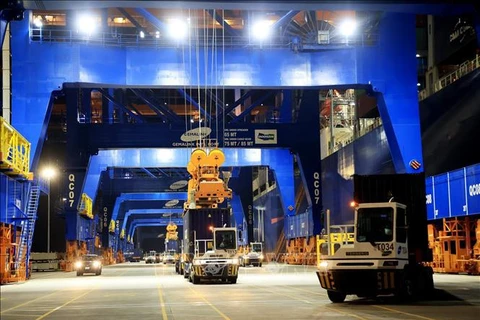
53, 34
14, 150
86, 206
464, 69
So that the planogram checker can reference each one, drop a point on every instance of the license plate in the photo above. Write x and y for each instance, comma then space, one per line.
87, 268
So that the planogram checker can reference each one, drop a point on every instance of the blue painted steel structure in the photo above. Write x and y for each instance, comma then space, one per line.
394, 85
454, 194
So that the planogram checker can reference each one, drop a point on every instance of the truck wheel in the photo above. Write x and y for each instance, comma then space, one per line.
336, 297
260, 265
233, 280
196, 280
79, 273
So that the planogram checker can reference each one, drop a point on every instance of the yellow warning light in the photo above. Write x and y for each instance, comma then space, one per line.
210, 228
353, 204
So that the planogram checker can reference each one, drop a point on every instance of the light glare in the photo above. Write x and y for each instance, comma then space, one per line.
177, 29
347, 27
261, 30
38, 22
49, 173
86, 24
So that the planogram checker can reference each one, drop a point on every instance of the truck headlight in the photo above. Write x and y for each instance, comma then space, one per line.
78, 264
261, 257
323, 264
235, 261
96, 264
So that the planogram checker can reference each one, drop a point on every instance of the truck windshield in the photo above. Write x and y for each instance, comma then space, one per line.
256, 247
225, 239
375, 225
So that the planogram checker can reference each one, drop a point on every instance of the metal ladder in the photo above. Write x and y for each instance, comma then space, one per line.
28, 227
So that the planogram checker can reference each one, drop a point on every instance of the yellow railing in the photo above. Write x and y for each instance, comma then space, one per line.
86, 206
14, 150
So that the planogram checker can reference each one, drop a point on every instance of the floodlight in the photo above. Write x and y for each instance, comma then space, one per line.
38, 22
86, 24
49, 173
261, 30
177, 29
348, 27
142, 34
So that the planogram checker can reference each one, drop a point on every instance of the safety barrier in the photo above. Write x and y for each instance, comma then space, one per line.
86, 206
14, 151
125, 39
464, 69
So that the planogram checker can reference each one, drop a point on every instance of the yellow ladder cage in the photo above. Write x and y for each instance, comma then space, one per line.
14, 151
86, 206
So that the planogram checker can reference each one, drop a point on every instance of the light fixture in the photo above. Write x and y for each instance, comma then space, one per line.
177, 29
86, 24
38, 22
348, 27
418, 84
157, 34
142, 34
261, 29
417, 55
48, 173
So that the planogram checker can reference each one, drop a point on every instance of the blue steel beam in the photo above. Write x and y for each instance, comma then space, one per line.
228, 28
237, 103
159, 25
195, 103
145, 224
9, 11
411, 7
144, 198
285, 19
43, 134
151, 95
149, 212
277, 159
120, 106
158, 109
252, 106
131, 19
218, 103
149, 173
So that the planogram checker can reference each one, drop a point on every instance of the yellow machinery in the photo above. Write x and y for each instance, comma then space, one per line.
342, 235
206, 189
86, 206
172, 233
14, 151
453, 247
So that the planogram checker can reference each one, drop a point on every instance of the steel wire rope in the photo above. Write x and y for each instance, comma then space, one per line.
197, 60
185, 83
215, 68
223, 76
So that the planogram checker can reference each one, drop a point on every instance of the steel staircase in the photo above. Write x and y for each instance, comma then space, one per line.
28, 226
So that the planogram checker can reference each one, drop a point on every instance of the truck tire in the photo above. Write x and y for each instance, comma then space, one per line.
233, 280
196, 280
79, 273
336, 297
